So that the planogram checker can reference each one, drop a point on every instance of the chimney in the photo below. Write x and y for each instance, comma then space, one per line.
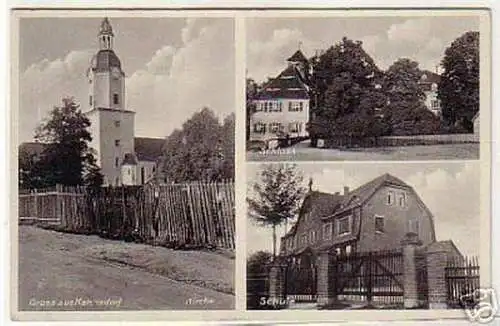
346, 190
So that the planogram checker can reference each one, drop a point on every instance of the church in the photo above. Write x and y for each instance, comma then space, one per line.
123, 158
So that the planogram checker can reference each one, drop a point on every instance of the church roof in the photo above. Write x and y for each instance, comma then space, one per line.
148, 149
104, 60
288, 84
129, 159
105, 27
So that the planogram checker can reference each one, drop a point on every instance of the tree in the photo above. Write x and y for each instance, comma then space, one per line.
203, 150
257, 272
345, 80
228, 147
405, 112
251, 91
277, 197
459, 87
67, 158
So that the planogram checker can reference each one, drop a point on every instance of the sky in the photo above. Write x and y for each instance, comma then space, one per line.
174, 67
423, 39
450, 191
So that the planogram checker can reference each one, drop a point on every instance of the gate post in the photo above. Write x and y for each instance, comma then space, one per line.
436, 260
325, 279
277, 285
410, 289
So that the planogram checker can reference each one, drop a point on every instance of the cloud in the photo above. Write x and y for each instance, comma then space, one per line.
411, 31
200, 73
387, 39
161, 62
450, 191
173, 84
43, 85
267, 57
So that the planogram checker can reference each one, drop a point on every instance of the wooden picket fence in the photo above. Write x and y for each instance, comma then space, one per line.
462, 279
184, 215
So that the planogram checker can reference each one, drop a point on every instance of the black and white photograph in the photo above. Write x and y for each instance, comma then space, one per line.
126, 162
363, 236
354, 88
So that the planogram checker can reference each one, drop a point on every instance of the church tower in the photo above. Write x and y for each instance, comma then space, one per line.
112, 125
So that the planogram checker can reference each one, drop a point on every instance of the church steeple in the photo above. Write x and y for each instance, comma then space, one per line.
105, 35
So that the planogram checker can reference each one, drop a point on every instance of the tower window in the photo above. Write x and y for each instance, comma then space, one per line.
115, 98
90, 100
117, 142
116, 162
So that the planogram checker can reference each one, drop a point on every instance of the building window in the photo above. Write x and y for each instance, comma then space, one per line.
303, 239
128, 171
435, 104
295, 127
390, 197
115, 98
116, 162
275, 127
413, 226
344, 225
117, 123
402, 199
259, 128
295, 106
348, 249
90, 100
379, 224
117, 142
327, 231
117, 181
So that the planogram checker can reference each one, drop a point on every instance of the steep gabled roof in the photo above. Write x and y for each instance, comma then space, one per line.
361, 194
430, 77
323, 204
298, 56
148, 149
288, 84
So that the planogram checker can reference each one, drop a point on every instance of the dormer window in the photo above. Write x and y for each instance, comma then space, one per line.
344, 225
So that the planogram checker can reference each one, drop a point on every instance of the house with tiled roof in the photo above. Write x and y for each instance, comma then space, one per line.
429, 83
374, 216
282, 104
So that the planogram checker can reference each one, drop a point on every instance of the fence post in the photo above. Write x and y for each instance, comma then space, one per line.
436, 260
325, 279
276, 284
410, 295
35, 201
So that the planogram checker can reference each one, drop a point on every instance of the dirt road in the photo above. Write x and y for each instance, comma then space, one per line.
55, 275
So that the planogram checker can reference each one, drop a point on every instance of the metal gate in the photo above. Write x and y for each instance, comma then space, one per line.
301, 278
371, 277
